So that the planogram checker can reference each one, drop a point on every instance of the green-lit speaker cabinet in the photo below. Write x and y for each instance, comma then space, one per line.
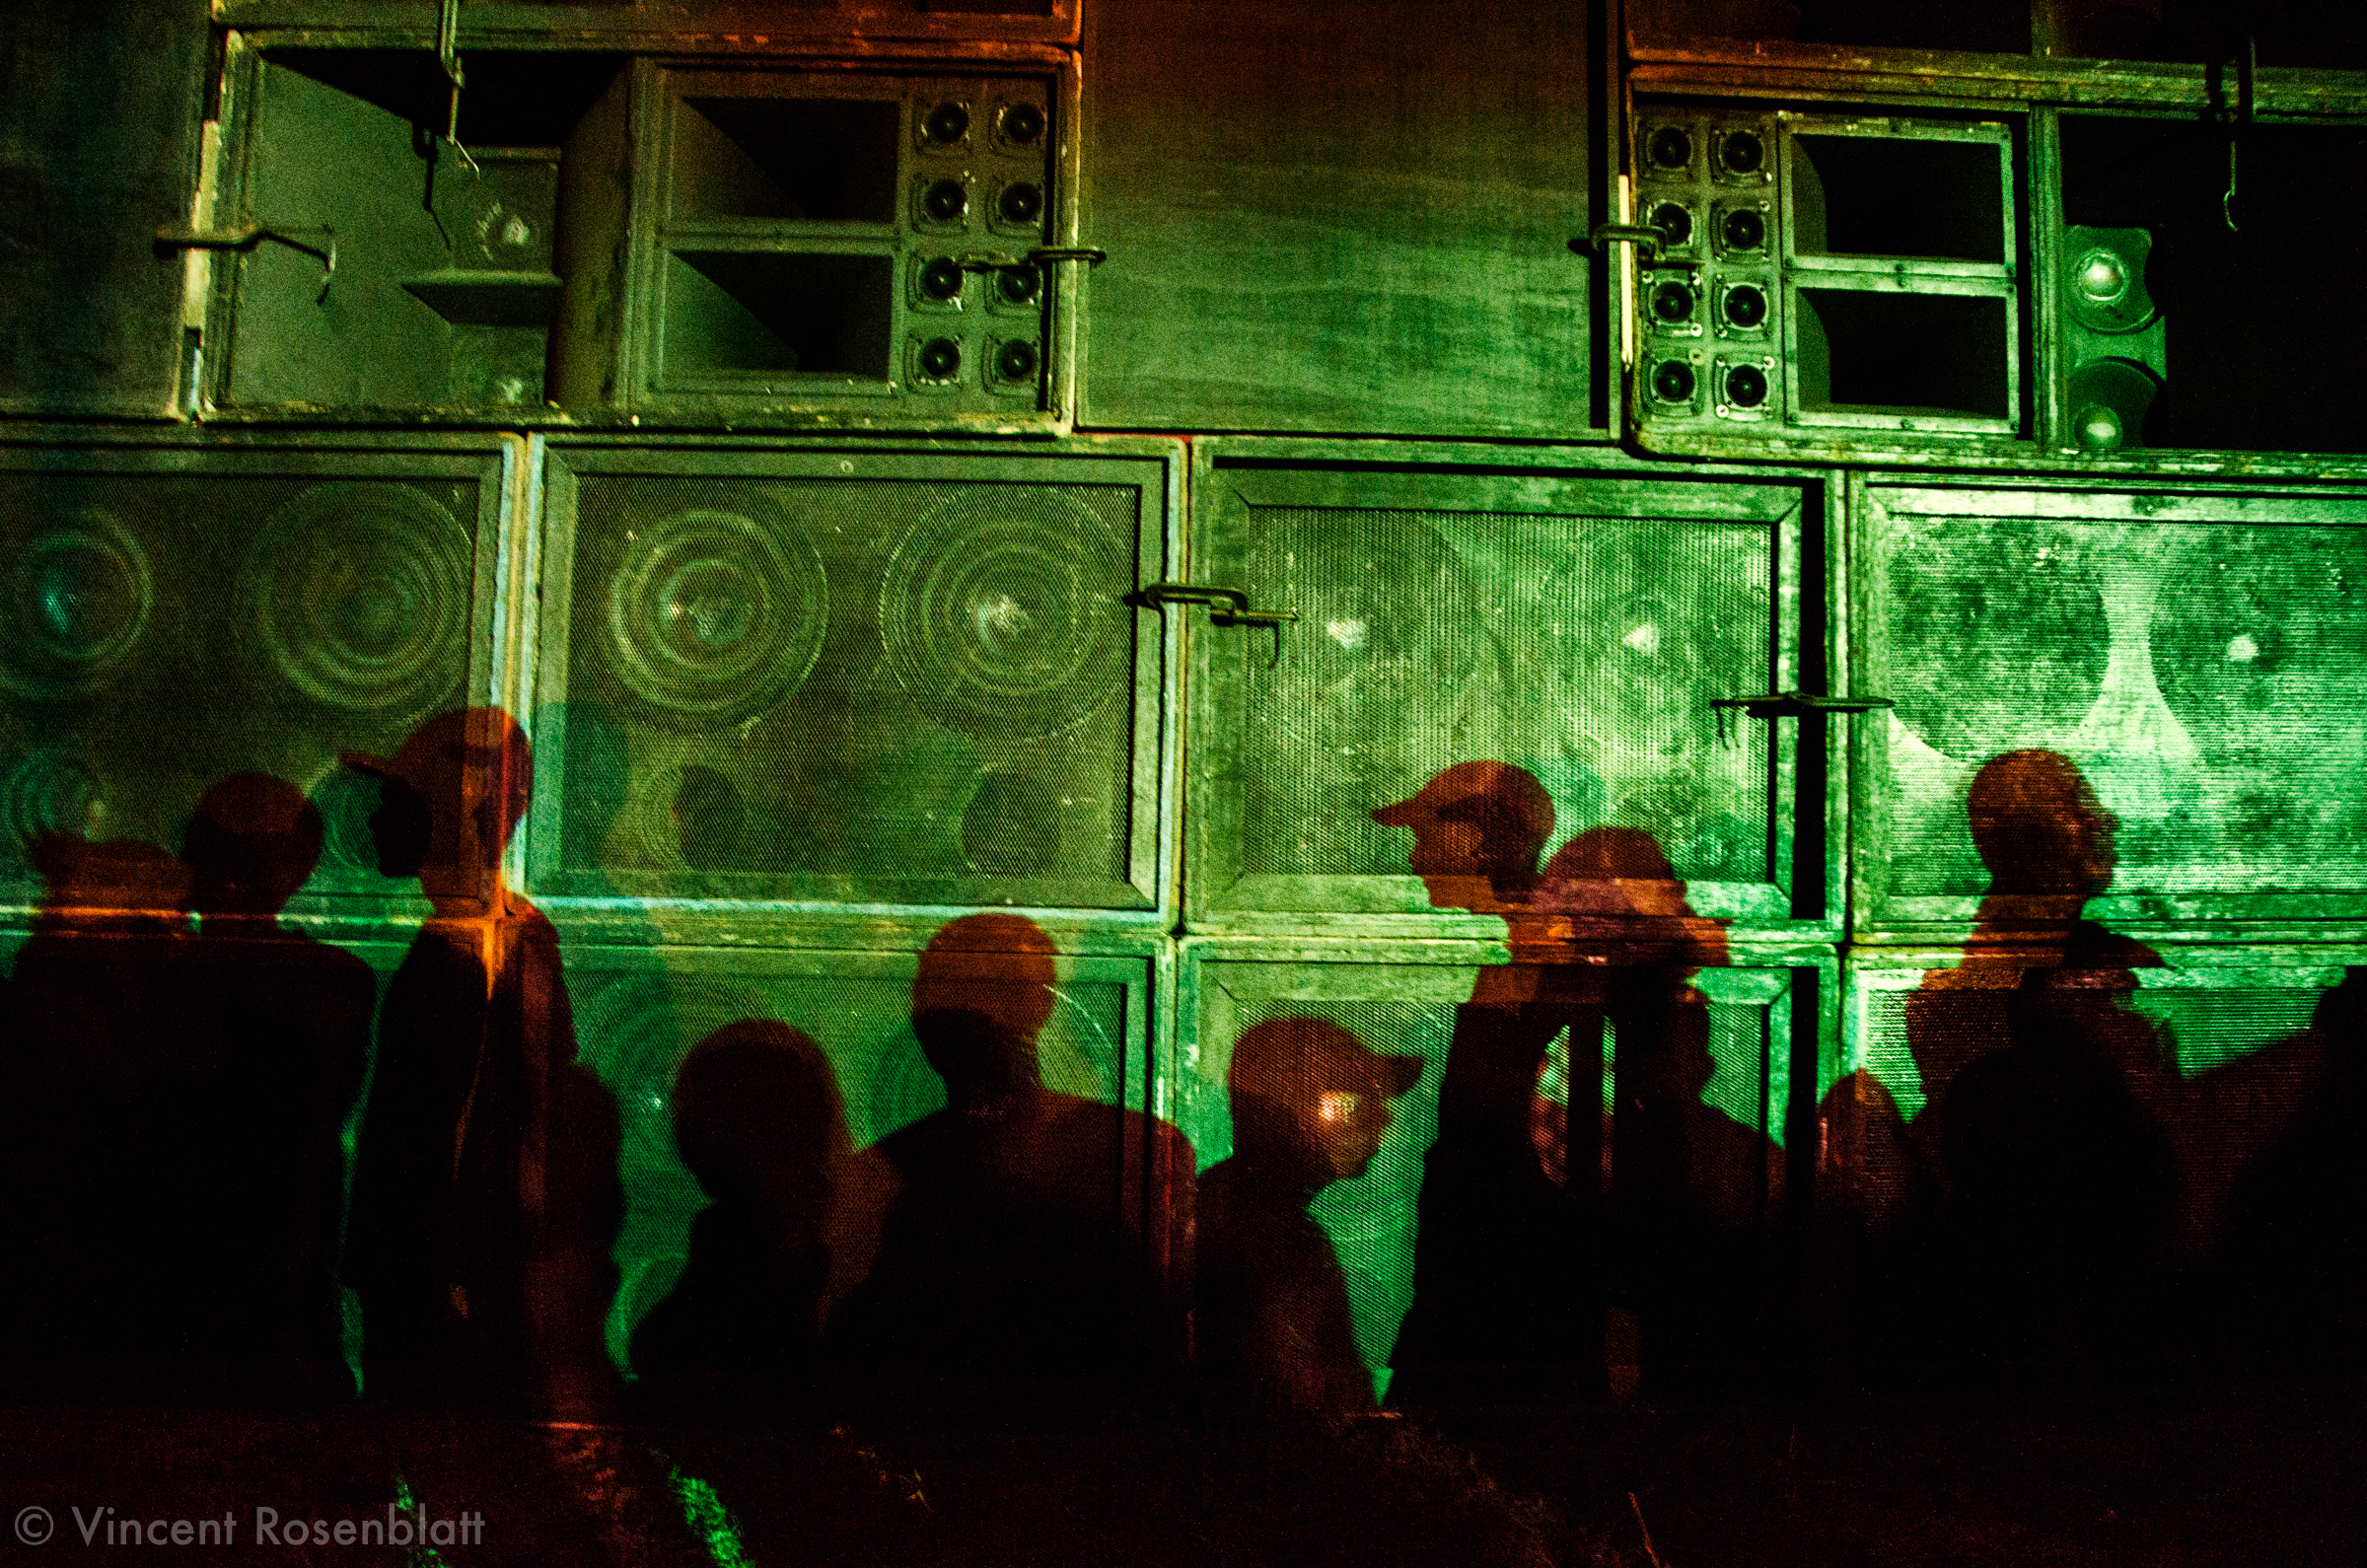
641, 1009
2193, 660
853, 675
2092, 1149
1631, 1163
1346, 218
174, 613
620, 240
1569, 620
700, 25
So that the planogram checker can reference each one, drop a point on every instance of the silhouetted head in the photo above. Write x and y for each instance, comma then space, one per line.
1475, 819
1308, 1093
452, 794
2038, 827
251, 843
1611, 854
757, 1116
982, 994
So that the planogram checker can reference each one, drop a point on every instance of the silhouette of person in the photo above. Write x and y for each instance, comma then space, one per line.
1507, 1289
759, 1122
93, 1128
275, 1035
2019, 1223
1692, 1188
485, 1192
1309, 1108
1035, 1254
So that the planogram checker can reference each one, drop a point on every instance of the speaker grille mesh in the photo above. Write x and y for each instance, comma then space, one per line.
2208, 681
154, 639
911, 690
1586, 651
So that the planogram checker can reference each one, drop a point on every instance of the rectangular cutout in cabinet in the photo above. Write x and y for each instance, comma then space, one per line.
744, 312
815, 159
1880, 352
1896, 196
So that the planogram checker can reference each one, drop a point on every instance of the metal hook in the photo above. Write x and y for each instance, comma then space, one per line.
247, 236
2247, 63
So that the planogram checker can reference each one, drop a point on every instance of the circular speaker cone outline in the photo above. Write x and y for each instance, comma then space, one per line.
1673, 302
1742, 152
1002, 615
1023, 124
1746, 386
300, 586
1021, 202
1675, 223
947, 125
50, 791
1752, 226
1746, 306
941, 359
754, 592
1672, 148
1673, 382
1018, 285
83, 569
1016, 360
941, 278
946, 200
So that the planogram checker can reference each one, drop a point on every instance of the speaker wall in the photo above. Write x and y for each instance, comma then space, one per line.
919, 684
169, 619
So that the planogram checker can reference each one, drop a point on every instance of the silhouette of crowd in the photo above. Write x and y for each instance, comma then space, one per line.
183, 1071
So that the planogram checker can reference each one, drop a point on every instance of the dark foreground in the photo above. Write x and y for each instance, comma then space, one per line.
2249, 1477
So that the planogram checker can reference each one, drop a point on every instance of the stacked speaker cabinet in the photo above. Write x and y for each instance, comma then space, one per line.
672, 23
1825, 275
1569, 620
615, 240
2191, 658
1660, 1109
2164, 1129
641, 1008
177, 612
853, 675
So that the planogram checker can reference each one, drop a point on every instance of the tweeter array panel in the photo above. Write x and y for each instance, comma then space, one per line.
2198, 660
1821, 272
177, 614
1572, 626
853, 675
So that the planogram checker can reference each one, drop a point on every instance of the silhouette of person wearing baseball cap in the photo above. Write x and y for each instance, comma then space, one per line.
1311, 1105
485, 1192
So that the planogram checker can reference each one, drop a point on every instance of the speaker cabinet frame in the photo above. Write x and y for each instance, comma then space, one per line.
2138, 553
357, 897
1239, 482
720, 26
1225, 984
700, 973
1143, 896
